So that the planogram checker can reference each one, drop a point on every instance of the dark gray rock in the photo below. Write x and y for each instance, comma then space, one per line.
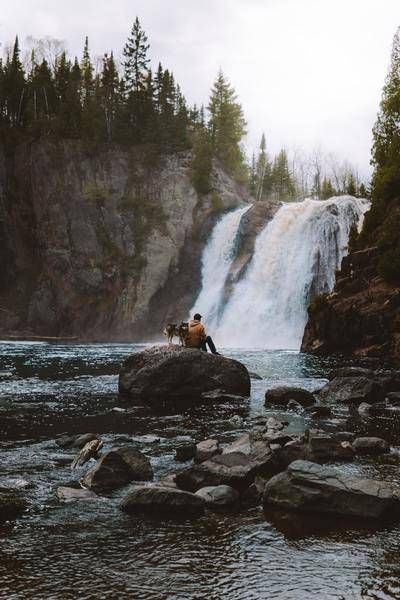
370, 445
282, 395
317, 446
236, 466
76, 441
394, 398
296, 406
185, 452
168, 373
318, 411
69, 494
219, 496
219, 396
12, 505
351, 372
116, 468
255, 376
306, 486
352, 390
206, 450
160, 500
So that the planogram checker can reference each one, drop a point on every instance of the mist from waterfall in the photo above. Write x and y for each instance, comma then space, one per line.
295, 258
216, 261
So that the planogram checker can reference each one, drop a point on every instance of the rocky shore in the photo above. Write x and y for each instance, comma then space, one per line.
263, 465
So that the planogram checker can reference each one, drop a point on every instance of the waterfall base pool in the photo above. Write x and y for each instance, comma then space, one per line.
92, 550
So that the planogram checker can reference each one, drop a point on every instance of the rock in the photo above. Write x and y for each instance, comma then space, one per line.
274, 424
255, 375
251, 496
116, 468
306, 486
364, 409
352, 390
168, 481
394, 398
293, 405
317, 447
12, 505
76, 441
344, 436
206, 450
219, 496
159, 500
236, 466
168, 373
282, 395
185, 452
318, 411
273, 437
370, 445
351, 372
68, 494
89, 450
236, 421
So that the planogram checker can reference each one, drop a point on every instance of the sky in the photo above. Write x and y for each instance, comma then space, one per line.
308, 73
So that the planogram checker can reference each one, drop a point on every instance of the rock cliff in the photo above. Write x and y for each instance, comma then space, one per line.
101, 243
361, 316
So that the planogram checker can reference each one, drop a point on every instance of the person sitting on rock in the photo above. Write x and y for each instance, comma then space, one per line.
196, 336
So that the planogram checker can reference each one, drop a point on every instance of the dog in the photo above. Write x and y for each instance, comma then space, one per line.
174, 330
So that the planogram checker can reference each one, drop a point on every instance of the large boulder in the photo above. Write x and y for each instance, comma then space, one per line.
352, 390
156, 499
206, 450
317, 446
236, 466
116, 468
283, 394
309, 487
183, 374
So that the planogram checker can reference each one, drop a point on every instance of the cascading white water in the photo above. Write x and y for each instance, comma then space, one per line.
217, 258
295, 258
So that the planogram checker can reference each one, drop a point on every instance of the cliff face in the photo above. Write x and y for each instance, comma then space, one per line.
360, 317
104, 244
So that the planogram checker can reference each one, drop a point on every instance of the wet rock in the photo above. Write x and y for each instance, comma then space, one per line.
318, 447
12, 505
275, 437
69, 494
185, 452
76, 441
364, 409
236, 422
116, 468
351, 372
89, 450
219, 496
206, 450
296, 406
251, 496
370, 445
160, 500
318, 411
168, 481
282, 395
352, 390
173, 373
236, 466
274, 424
307, 486
394, 398
344, 436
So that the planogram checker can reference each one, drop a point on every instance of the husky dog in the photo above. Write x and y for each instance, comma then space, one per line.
174, 330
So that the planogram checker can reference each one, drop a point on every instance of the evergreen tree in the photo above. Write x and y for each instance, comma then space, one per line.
136, 60
202, 162
283, 184
14, 87
227, 126
327, 189
351, 185
109, 94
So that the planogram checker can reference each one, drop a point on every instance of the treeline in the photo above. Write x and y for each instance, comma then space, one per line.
283, 178
127, 103
382, 222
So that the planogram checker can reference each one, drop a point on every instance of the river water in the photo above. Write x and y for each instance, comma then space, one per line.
91, 549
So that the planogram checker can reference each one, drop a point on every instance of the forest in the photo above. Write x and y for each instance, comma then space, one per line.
43, 92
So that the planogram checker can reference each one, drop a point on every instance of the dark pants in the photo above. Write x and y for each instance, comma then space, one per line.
208, 342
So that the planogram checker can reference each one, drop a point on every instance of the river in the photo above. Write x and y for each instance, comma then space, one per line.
92, 550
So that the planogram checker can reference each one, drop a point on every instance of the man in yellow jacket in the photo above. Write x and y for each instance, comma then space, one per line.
197, 337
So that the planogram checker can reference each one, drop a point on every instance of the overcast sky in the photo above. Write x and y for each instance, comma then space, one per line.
308, 72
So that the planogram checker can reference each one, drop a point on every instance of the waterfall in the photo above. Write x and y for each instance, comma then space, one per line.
216, 260
295, 257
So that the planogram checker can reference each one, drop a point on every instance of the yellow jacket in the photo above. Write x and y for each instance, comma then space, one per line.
196, 334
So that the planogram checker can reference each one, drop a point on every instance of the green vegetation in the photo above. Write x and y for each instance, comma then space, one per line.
382, 222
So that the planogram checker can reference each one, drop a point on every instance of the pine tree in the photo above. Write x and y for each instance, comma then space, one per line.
327, 189
283, 184
227, 126
109, 94
136, 61
351, 185
14, 87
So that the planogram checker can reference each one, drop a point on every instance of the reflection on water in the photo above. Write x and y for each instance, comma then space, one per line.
92, 550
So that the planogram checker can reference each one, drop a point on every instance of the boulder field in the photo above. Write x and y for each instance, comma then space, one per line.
173, 373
